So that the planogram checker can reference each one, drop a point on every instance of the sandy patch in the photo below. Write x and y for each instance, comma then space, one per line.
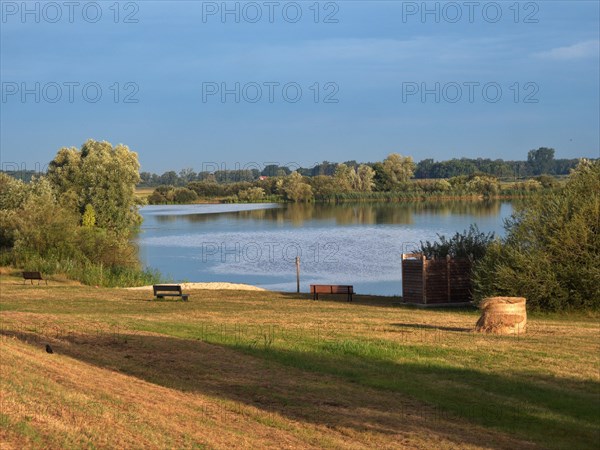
211, 286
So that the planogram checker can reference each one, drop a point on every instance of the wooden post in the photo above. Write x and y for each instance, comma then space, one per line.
298, 274
424, 277
448, 299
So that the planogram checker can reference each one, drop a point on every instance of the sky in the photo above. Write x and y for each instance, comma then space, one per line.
191, 84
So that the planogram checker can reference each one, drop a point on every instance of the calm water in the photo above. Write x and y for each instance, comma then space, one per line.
337, 244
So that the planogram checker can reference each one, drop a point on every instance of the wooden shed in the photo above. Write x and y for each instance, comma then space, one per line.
439, 282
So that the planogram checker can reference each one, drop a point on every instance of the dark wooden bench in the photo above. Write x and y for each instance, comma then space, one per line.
316, 289
169, 290
33, 276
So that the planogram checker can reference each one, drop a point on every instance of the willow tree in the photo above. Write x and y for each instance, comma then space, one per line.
399, 169
345, 178
395, 170
296, 189
365, 175
103, 176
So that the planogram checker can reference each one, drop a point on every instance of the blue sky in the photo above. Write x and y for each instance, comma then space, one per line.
503, 78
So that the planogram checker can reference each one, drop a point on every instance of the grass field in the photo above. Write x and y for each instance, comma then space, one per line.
270, 370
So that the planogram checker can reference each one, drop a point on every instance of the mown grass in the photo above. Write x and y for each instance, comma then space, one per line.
360, 370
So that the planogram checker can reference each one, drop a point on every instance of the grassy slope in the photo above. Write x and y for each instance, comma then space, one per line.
259, 369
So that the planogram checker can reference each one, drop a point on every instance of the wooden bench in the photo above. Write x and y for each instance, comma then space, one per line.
33, 276
316, 289
169, 290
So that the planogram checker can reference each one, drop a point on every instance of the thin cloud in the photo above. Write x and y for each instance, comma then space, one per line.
580, 50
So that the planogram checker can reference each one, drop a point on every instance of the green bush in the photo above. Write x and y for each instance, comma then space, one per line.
156, 198
89, 217
251, 195
484, 185
164, 195
429, 186
85, 271
528, 186
470, 243
207, 188
184, 195
551, 252
547, 181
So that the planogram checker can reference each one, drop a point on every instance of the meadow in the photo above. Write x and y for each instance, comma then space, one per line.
273, 370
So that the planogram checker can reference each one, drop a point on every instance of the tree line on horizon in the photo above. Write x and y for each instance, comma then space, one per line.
393, 179
538, 162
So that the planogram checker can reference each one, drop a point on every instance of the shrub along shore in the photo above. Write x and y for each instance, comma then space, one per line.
298, 189
396, 178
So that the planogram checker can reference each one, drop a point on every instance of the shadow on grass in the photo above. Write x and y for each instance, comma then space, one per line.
424, 326
378, 300
326, 386
365, 300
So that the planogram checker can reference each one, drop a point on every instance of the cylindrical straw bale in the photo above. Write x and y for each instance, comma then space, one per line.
502, 315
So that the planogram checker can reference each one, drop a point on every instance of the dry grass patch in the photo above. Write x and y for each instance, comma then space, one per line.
300, 373
149, 390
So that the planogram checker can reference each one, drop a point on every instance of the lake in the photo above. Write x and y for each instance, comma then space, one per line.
358, 244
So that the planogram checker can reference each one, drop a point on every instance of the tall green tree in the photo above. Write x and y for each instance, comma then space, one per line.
345, 178
365, 178
381, 179
13, 194
398, 169
33, 222
541, 161
187, 175
323, 187
296, 189
103, 176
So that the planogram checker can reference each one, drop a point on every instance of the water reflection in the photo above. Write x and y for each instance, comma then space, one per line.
346, 213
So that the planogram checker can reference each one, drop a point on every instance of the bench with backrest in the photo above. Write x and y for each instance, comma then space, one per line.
33, 276
316, 289
169, 290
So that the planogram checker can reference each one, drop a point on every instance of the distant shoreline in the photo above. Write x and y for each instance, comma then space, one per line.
399, 199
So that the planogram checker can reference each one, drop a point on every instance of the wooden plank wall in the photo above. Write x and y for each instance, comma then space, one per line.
460, 281
412, 280
435, 280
